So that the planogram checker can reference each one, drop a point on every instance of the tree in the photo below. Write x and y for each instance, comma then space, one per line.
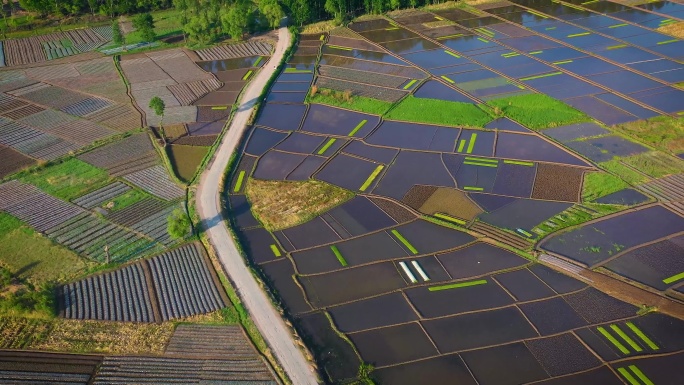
178, 224
144, 23
117, 35
273, 12
364, 373
158, 105
235, 19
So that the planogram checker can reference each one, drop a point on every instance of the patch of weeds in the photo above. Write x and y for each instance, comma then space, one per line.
538, 111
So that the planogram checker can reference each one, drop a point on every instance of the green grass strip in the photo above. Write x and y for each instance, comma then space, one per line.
519, 163
461, 144
327, 146
292, 70
641, 335
538, 14
321, 38
371, 177
550, 28
625, 373
665, 21
536, 52
619, 25
471, 143
450, 36
612, 47
674, 278
485, 160
404, 241
471, 188
219, 108
562, 62
238, 184
510, 54
339, 256
641, 375
541, 76
579, 34
409, 84
450, 219
590, 2
340, 47
626, 338
247, 75
485, 31
447, 79
258, 60
358, 127
275, 250
452, 54
480, 164
483, 40
391, 29
458, 285
667, 41
525, 233
612, 340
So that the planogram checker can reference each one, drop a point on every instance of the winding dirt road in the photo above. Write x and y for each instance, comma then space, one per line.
266, 318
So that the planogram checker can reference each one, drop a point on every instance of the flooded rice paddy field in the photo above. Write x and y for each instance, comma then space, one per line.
450, 290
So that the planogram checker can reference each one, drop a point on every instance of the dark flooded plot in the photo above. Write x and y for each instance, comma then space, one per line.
312, 233
562, 354
393, 345
527, 147
600, 376
377, 154
285, 117
449, 369
370, 248
286, 97
458, 300
229, 64
659, 370
279, 275
433, 89
600, 110
369, 25
524, 285
464, 66
494, 366
596, 306
624, 81
411, 168
593, 243
672, 50
477, 142
405, 135
365, 55
346, 171
552, 316
434, 58
479, 259
662, 330
472, 177
306, 169
530, 43
559, 54
360, 216
206, 128
506, 124
295, 77
652, 264
352, 284
300, 143
257, 244
386, 310
665, 99
613, 145
240, 211
290, 87
589, 66
559, 282
276, 165
491, 203
334, 121
524, 214
247, 165
515, 180
572, 132
427, 237
335, 354
391, 35
318, 260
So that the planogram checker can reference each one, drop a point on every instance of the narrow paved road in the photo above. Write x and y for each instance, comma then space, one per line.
267, 319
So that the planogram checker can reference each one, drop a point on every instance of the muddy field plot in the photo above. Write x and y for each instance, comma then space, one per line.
18, 367
13, 161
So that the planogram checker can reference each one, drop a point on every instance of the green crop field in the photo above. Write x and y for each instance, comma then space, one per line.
538, 111
439, 112
68, 180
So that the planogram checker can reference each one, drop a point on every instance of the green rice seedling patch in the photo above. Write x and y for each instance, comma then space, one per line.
458, 285
247, 75
613, 340
68, 180
674, 278
239, 182
371, 177
538, 111
450, 218
338, 255
625, 173
276, 250
127, 199
353, 102
258, 60
641, 334
519, 163
439, 112
626, 338
599, 184
410, 84
358, 127
404, 241
327, 145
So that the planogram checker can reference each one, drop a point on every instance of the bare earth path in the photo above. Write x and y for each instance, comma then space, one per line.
267, 319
